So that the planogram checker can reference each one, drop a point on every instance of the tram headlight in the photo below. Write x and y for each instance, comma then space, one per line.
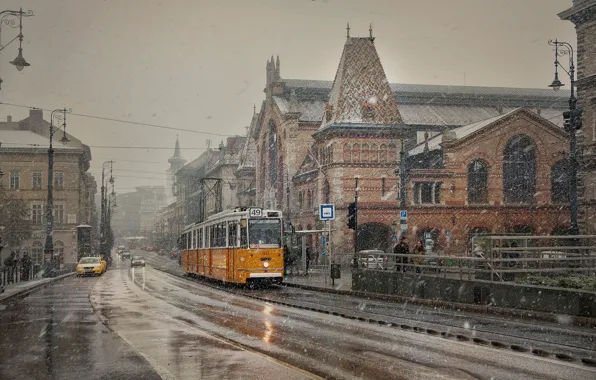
266, 264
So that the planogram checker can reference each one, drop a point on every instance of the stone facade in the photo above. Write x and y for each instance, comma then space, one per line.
24, 161
583, 15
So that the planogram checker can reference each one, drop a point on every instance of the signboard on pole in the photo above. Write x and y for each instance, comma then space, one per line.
327, 212
404, 227
403, 214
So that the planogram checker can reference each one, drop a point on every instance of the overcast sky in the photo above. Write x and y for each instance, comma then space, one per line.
200, 65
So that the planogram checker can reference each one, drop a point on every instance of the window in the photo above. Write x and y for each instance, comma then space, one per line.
519, 170
559, 182
300, 200
364, 154
37, 252
59, 180
36, 181
36, 214
383, 153
200, 238
347, 153
373, 155
272, 153
356, 153
243, 233
264, 232
58, 214
15, 180
478, 182
427, 192
383, 187
232, 234
327, 192
309, 197
195, 234
392, 153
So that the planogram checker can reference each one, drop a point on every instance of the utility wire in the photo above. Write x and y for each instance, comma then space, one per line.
122, 121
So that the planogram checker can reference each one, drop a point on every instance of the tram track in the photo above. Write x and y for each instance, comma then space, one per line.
564, 352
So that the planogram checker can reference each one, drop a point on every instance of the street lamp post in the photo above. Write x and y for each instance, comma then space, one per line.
103, 233
8, 18
49, 247
573, 122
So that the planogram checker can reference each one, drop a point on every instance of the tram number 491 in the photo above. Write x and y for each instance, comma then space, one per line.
255, 212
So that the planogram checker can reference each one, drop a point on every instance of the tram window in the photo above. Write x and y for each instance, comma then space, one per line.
201, 237
243, 234
194, 239
265, 232
232, 234
187, 239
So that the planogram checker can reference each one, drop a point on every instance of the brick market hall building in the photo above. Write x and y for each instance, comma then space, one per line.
480, 158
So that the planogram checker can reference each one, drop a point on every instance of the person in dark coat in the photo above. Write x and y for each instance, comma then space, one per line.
419, 250
309, 257
401, 248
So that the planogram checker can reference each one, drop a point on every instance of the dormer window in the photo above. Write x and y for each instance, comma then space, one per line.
367, 110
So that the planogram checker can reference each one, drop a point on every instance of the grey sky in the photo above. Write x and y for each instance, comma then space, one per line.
200, 65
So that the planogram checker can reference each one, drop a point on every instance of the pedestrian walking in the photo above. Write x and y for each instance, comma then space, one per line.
309, 257
402, 249
419, 250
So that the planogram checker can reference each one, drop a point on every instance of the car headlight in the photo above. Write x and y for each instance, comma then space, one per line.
266, 264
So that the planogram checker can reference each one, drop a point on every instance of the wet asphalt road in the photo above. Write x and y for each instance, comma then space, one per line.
54, 334
187, 330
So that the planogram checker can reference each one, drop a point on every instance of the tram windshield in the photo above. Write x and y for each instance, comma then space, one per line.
264, 232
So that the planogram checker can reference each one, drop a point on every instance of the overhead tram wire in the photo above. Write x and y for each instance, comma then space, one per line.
122, 121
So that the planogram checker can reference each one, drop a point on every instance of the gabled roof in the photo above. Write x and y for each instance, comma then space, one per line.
248, 155
460, 133
360, 84
308, 165
12, 139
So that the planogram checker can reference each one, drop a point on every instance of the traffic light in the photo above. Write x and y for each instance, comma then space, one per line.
572, 119
352, 215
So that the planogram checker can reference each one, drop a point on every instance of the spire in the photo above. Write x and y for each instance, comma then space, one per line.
360, 93
277, 68
254, 109
348, 30
370, 32
177, 148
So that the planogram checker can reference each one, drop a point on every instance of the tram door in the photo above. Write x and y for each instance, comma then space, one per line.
232, 249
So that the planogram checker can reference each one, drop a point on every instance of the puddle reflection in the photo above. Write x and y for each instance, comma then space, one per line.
268, 325
134, 278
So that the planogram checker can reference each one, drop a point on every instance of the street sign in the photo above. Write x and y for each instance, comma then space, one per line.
403, 214
393, 237
323, 253
327, 212
255, 212
427, 235
404, 227
323, 239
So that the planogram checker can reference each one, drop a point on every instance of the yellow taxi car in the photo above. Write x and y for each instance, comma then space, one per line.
90, 266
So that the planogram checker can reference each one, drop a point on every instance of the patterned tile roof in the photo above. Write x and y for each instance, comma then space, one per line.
361, 92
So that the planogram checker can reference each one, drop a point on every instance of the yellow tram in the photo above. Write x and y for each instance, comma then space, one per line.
239, 246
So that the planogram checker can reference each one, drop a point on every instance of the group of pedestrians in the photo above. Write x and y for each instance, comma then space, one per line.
402, 248
18, 268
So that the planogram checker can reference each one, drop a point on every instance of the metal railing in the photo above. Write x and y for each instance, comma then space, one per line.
503, 258
18, 273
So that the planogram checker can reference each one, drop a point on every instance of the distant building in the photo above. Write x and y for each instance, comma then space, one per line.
24, 158
137, 211
176, 162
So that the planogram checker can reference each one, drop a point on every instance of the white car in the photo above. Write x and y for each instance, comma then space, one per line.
137, 261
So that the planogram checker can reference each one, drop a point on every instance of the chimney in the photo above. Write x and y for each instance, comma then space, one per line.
9, 119
36, 114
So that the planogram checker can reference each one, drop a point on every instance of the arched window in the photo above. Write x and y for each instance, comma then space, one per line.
559, 182
374, 153
309, 199
356, 153
392, 153
300, 200
272, 147
347, 153
383, 153
519, 170
364, 154
37, 252
478, 182
59, 252
327, 192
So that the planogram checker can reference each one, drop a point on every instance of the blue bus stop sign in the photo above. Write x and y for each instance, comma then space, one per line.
323, 253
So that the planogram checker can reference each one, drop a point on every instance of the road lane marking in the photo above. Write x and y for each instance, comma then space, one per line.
43, 331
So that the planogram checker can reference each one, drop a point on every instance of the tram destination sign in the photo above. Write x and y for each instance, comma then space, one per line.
255, 212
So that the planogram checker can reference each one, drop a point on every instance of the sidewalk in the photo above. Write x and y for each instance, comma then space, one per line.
24, 287
318, 280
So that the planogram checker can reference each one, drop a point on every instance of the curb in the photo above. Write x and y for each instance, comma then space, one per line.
529, 314
27, 291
